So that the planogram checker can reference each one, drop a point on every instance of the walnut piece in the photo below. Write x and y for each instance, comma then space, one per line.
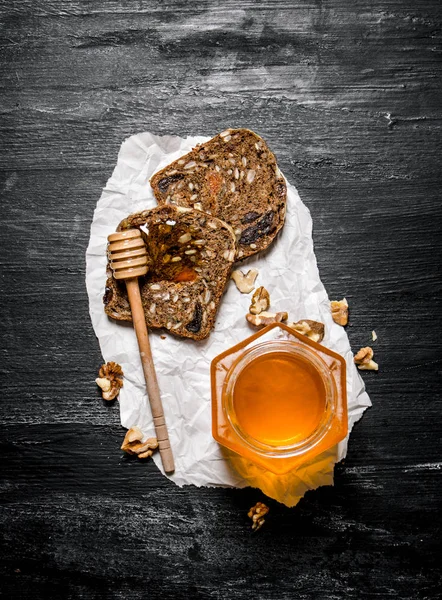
245, 282
260, 301
133, 444
339, 310
103, 383
110, 380
257, 514
364, 359
266, 318
314, 330
374, 336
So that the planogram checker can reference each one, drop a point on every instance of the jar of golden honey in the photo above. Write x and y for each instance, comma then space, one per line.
279, 399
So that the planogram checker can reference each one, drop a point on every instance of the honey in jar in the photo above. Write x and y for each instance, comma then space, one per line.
279, 399
279, 402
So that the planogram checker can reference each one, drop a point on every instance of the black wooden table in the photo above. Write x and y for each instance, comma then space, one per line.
348, 95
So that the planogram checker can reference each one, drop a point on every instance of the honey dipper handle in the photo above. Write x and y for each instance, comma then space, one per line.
150, 376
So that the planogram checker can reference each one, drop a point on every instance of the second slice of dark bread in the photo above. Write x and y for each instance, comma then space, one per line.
190, 255
233, 176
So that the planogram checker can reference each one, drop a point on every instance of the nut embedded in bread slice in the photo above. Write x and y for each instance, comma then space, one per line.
233, 176
190, 255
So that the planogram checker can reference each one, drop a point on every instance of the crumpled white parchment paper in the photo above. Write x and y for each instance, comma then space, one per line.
287, 269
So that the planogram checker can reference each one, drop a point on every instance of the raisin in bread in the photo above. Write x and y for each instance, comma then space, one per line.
190, 254
233, 176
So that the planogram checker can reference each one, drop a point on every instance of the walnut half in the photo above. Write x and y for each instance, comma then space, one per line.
260, 301
257, 514
314, 330
364, 360
110, 380
132, 443
266, 318
245, 282
339, 310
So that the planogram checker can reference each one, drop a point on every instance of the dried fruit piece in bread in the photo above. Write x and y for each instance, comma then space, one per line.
233, 176
190, 255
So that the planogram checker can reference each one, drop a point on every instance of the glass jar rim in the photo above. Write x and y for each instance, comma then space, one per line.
294, 348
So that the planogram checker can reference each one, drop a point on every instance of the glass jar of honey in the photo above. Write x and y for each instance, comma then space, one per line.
279, 399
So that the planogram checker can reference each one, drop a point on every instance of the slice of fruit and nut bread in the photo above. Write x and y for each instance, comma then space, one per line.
190, 254
233, 176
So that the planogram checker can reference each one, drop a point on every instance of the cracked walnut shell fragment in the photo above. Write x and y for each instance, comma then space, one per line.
110, 380
133, 444
364, 359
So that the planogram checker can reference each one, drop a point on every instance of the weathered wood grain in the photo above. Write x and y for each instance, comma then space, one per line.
348, 95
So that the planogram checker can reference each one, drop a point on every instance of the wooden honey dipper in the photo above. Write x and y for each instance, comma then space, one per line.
128, 260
